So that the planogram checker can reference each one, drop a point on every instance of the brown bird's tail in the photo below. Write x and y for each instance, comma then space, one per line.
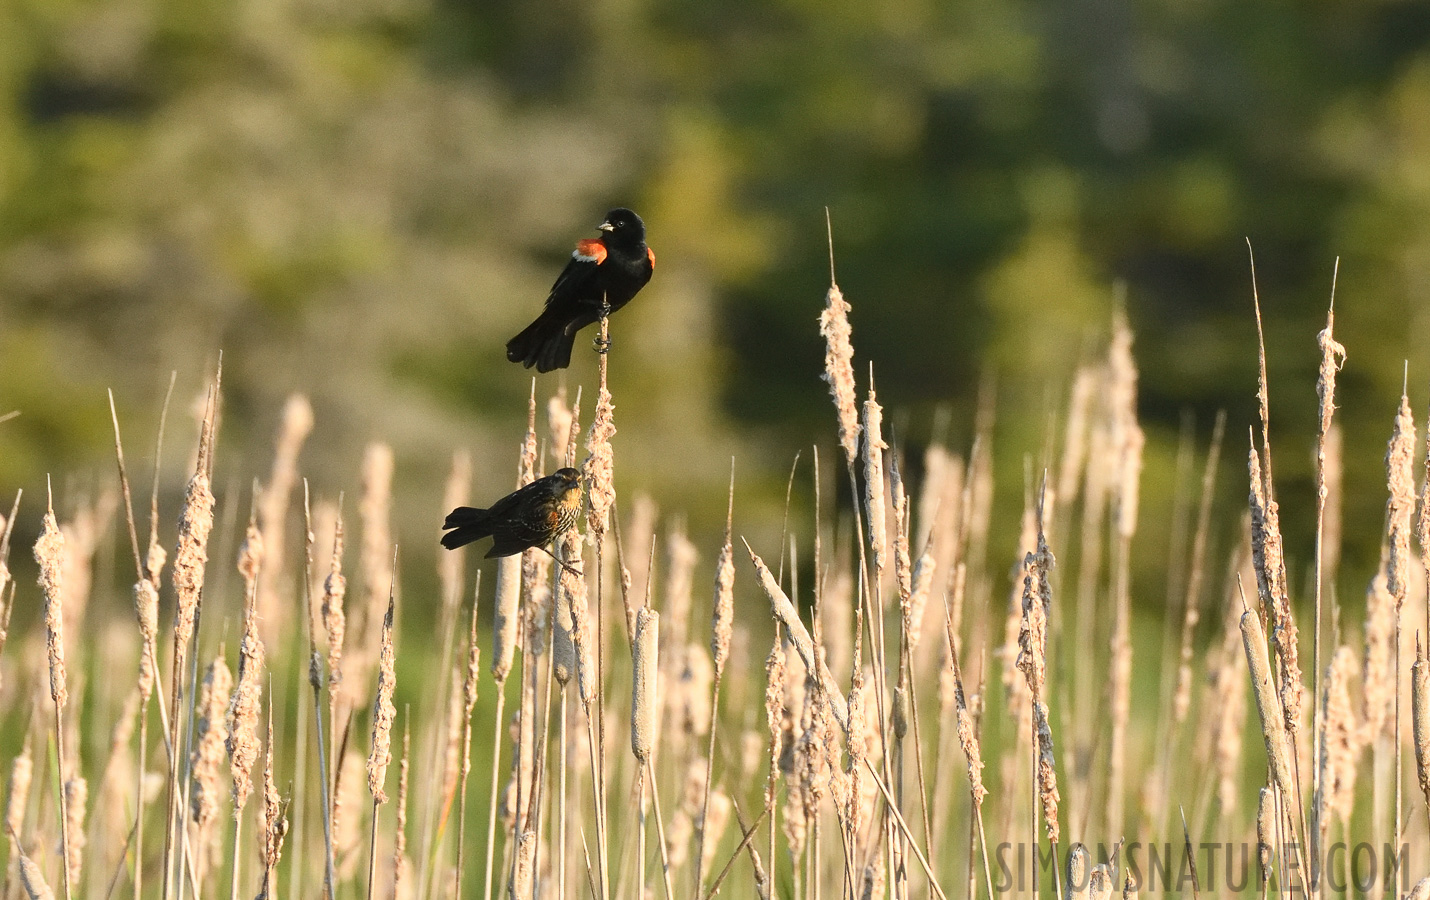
468, 524
545, 344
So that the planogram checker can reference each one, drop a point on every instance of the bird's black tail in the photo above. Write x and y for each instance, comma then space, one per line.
545, 344
468, 524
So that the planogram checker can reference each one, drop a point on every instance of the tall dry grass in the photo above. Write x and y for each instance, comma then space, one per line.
919, 714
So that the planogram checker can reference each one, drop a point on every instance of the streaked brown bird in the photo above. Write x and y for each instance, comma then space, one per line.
531, 516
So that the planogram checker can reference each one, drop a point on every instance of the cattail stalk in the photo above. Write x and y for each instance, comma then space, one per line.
315, 681
799, 636
49, 554
243, 743
1273, 724
190, 561
506, 617
721, 632
384, 712
1333, 356
469, 703
206, 760
1400, 510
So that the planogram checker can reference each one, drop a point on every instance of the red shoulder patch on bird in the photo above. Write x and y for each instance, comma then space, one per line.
651, 253
590, 250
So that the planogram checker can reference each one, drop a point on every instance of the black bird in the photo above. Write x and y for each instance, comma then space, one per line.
531, 516
604, 273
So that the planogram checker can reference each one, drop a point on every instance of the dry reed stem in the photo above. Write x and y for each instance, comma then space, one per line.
1421, 890
1182, 696
469, 703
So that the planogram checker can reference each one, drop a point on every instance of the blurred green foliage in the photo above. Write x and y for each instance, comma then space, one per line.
363, 199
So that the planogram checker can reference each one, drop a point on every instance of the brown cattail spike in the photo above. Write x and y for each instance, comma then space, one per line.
383, 712
643, 680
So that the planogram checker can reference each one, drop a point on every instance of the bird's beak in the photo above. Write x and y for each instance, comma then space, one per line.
607, 226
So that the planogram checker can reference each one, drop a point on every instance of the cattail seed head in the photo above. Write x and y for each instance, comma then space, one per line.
1400, 508
839, 368
722, 622
874, 509
191, 552
146, 608
242, 741
210, 736
1420, 716
383, 712
599, 467
76, 800
1099, 884
506, 616
49, 553
335, 588
17, 795
643, 700
1265, 832
1339, 744
1378, 668
1273, 726
1079, 875
1421, 891
32, 879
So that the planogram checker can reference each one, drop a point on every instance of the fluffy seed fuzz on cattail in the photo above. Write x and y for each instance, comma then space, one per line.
49, 553
335, 588
210, 736
643, 681
874, 502
599, 467
722, 619
383, 712
1400, 507
76, 799
839, 368
1340, 743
